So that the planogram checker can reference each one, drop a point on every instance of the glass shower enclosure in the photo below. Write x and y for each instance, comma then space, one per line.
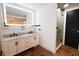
59, 28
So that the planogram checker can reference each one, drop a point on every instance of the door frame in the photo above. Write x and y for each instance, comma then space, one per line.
64, 28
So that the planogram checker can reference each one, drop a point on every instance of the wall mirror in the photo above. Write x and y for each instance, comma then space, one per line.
15, 16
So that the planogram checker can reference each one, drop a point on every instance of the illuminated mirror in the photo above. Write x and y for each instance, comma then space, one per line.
17, 16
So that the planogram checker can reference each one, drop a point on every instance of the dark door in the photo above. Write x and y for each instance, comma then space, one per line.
72, 28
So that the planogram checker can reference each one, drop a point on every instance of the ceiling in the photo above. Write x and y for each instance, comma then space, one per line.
60, 5
33, 6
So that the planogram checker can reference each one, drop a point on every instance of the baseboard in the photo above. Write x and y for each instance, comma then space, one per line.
46, 49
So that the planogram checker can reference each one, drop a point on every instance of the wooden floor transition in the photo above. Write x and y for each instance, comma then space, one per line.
39, 51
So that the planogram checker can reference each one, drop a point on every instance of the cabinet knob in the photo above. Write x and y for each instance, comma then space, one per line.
34, 38
27, 42
16, 43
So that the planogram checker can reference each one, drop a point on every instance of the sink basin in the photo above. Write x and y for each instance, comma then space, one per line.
19, 34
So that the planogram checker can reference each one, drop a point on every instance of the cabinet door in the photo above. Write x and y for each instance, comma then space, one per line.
36, 40
9, 48
5, 48
12, 48
26, 43
30, 41
20, 45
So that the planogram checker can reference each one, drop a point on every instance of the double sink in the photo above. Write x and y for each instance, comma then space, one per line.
18, 34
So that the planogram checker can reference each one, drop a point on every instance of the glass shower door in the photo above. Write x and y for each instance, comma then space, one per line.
59, 28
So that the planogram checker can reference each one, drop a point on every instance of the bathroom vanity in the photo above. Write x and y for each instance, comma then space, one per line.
16, 19
14, 45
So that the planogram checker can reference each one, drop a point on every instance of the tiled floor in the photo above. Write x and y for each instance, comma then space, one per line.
39, 51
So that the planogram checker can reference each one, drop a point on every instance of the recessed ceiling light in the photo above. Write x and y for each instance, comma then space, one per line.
66, 5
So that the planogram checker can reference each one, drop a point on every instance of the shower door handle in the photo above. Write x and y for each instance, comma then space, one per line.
56, 27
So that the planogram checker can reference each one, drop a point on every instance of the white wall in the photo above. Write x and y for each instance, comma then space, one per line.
1, 22
46, 17
1, 14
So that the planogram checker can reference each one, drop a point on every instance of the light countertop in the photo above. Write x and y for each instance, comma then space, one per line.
11, 38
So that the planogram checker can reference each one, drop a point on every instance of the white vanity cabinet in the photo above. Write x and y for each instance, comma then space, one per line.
33, 41
17, 45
